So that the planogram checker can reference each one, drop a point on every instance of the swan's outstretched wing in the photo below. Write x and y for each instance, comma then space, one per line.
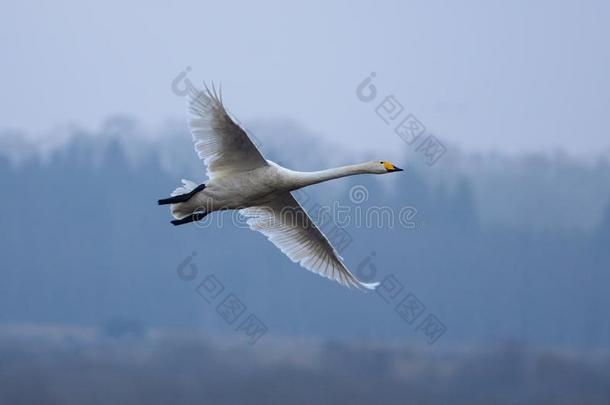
286, 224
222, 144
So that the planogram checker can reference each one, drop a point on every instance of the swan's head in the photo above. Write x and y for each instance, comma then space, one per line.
382, 167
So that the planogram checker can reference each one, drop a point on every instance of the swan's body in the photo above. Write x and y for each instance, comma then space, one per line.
256, 187
241, 179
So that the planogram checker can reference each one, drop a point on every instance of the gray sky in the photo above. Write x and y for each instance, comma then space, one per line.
512, 76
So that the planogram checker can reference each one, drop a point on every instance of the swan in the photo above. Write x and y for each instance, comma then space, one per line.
240, 178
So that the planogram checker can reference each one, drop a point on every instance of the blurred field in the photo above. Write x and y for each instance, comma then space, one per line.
54, 365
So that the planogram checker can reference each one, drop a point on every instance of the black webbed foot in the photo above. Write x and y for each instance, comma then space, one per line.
181, 198
197, 216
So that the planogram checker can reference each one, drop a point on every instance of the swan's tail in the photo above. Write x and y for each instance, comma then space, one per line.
186, 187
180, 197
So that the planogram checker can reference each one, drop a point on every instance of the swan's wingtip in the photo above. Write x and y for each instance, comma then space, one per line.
369, 286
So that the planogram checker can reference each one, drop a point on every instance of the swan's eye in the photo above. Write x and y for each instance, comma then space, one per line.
381, 162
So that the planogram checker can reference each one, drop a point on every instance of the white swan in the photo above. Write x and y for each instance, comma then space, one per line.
240, 178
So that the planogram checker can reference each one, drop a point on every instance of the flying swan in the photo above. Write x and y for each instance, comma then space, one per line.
240, 178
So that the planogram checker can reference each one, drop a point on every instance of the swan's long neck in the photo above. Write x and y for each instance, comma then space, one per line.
303, 179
